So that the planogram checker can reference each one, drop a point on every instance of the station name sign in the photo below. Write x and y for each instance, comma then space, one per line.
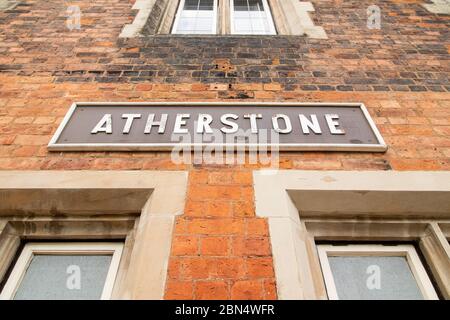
163, 126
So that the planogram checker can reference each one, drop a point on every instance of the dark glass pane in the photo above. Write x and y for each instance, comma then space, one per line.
248, 5
240, 5
256, 5
206, 5
199, 5
191, 4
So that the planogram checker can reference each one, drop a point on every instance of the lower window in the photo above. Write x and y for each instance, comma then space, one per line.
374, 272
64, 271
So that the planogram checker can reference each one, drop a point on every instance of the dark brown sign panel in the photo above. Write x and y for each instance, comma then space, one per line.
163, 126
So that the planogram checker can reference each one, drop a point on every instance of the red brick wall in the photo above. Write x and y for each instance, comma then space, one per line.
220, 249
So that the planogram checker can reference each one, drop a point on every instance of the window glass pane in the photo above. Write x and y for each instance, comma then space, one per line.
198, 5
65, 277
374, 278
249, 17
248, 5
196, 17
206, 5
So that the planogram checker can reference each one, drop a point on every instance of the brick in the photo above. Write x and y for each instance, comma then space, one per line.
24, 120
198, 268
243, 209
179, 290
247, 290
231, 268
219, 178
31, 140
223, 226
6, 120
216, 192
195, 208
184, 245
218, 208
270, 289
272, 87
243, 177
7, 140
44, 120
260, 268
211, 290
215, 246
198, 177
251, 247
257, 227
181, 226
144, 87
174, 270
25, 151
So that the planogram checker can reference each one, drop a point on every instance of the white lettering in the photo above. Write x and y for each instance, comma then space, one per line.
307, 124
253, 121
104, 125
204, 123
130, 118
151, 122
179, 122
333, 124
233, 126
276, 124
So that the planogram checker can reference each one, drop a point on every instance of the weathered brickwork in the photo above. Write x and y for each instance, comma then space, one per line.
220, 249
409, 52
415, 125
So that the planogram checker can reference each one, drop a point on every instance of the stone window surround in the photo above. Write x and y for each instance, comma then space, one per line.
360, 207
437, 6
138, 207
291, 17
8, 4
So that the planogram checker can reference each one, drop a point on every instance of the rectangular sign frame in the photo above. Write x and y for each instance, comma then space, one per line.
54, 145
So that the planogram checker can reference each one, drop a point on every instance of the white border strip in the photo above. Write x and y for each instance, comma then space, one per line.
55, 146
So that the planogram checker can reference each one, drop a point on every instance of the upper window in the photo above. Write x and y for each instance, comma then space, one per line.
221, 17
196, 17
251, 17
64, 271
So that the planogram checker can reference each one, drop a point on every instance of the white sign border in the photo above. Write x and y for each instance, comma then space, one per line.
378, 147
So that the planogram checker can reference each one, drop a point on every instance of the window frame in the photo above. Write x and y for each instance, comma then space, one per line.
179, 10
19, 270
408, 251
267, 9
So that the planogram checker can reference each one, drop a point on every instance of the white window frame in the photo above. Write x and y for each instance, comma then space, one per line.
267, 9
178, 16
69, 248
407, 251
